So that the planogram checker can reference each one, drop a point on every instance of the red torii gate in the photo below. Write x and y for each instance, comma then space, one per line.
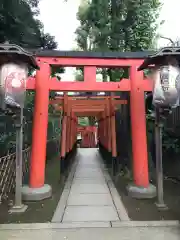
89, 137
43, 83
103, 108
88, 141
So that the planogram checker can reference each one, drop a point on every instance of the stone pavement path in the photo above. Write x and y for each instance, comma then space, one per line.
92, 198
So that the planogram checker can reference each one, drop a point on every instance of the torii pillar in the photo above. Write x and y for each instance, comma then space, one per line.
141, 187
37, 189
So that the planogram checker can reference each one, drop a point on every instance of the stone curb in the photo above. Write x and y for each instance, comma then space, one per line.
120, 208
128, 224
162, 223
59, 212
123, 215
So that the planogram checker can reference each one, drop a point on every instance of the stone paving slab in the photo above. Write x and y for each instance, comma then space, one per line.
89, 188
88, 181
93, 167
90, 214
89, 175
89, 200
89, 164
89, 171
88, 161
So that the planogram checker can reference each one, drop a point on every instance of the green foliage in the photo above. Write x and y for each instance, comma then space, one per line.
126, 25
48, 42
83, 121
56, 70
170, 144
19, 25
79, 76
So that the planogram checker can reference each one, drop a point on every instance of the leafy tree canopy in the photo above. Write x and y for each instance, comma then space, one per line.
117, 25
19, 25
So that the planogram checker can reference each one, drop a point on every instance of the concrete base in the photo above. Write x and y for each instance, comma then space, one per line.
162, 206
36, 194
18, 209
140, 192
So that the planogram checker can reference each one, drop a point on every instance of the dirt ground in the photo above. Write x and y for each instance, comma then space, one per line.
39, 212
146, 210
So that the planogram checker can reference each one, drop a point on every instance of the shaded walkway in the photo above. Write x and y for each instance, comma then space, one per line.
89, 195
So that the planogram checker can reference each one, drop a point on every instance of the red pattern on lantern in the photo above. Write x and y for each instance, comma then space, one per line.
9, 79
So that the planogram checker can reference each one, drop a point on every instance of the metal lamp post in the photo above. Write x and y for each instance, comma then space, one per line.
159, 166
14, 65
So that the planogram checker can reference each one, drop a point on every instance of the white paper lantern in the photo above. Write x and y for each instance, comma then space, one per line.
166, 86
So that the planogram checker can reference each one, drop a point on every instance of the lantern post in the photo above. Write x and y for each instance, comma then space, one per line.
14, 66
159, 157
169, 56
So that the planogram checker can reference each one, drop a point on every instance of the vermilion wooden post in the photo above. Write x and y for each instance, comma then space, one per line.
72, 130
113, 134
90, 140
68, 128
109, 110
101, 122
63, 136
69, 140
114, 150
67, 122
105, 128
40, 123
99, 131
76, 130
91, 137
108, 125
95, 136
68, 133
89, 74
63, 143
138, 126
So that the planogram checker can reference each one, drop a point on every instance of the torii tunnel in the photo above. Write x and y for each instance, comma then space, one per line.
102, 109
